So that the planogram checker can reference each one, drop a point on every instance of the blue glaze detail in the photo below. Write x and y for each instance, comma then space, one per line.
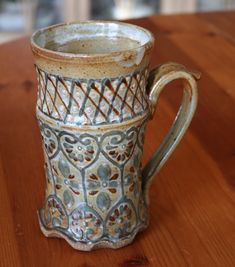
107, 211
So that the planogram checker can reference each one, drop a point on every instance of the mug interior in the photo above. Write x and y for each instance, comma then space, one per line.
91, 38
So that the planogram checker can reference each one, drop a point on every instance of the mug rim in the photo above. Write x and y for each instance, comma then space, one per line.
94, 57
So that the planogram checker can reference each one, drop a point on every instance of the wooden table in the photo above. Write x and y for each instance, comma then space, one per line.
192, 199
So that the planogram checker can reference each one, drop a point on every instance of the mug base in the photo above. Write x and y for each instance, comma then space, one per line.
88, 246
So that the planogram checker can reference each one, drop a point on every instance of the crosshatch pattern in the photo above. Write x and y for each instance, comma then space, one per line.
90, 102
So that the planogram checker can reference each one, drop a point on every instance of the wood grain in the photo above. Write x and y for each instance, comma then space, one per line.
192, 199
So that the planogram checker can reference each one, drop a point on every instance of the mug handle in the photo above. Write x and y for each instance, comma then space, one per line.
159, 77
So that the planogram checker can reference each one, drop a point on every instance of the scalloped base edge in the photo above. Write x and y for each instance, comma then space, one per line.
90, 246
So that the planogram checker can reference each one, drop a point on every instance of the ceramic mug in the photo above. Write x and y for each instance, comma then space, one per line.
95, 97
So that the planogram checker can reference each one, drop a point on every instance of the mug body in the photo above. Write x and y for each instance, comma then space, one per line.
92, 110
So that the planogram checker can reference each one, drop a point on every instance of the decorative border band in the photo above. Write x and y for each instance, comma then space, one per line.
92, 102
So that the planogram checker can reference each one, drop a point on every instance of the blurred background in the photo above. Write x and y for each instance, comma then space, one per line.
20, 17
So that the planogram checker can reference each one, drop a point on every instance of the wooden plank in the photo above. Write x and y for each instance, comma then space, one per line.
9, 255
192, 199
19, 145
201, 49
214, 120
223, 21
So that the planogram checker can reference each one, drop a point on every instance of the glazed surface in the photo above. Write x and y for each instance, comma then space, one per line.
93, 134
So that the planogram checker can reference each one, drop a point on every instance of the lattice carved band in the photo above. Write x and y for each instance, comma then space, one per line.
91, 102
